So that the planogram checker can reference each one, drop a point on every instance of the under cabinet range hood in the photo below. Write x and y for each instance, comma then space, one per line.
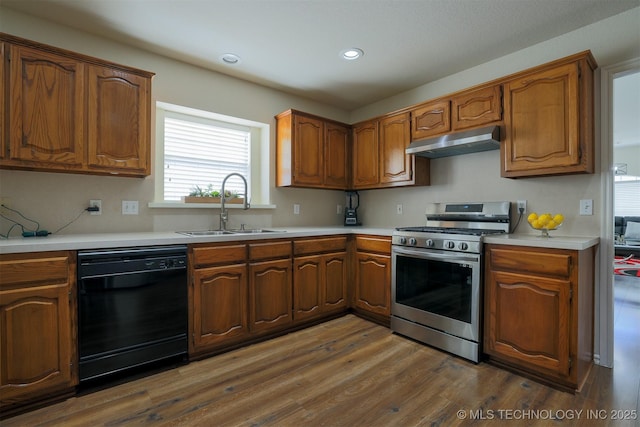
470, 141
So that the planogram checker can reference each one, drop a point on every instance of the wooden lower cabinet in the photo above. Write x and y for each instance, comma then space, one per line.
269, 295
220, 305
372, 281
218, 296
539, 312
38, 357
319, 278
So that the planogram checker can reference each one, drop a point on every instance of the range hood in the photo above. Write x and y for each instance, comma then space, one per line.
470, 141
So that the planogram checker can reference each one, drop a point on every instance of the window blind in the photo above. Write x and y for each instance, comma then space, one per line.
627, 198
201, 152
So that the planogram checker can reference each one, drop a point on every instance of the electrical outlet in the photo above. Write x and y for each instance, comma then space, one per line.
522, 205
399, 209
586, 207
96, 203
129, 207
296, 209
339, 210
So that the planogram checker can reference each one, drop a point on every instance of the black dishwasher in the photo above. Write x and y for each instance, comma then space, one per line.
132, 308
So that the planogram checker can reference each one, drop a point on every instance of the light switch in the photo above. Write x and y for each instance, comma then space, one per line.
586, 207
129, 207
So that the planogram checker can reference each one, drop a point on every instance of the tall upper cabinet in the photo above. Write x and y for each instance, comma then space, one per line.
312, 151
379, 158
67, 112
549, 119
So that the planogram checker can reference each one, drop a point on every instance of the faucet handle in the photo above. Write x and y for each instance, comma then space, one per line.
248, 204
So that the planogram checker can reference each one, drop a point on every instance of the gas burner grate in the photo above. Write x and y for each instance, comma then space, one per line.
450, 230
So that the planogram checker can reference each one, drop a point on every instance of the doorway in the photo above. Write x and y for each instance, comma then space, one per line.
618, 304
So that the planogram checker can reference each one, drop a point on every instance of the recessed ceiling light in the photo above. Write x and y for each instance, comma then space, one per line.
230, 58
352, 53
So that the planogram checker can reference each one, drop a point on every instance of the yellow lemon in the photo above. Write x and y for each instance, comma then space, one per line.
544, 219
551, 225
536, 224
558, 218
532, 217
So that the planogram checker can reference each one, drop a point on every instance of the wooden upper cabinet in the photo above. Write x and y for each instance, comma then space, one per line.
47, 111
307, 150
336, 155
69, 112
395, 165
430, 119
549, 120
311, 151
365, 155
476, 108
118, 121
379, 158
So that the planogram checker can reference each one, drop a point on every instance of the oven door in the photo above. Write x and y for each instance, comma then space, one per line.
437, 289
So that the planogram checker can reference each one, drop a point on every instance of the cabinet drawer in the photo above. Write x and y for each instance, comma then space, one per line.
225, 254
55, 267
374, 244
546, 262
260, 251
325, 244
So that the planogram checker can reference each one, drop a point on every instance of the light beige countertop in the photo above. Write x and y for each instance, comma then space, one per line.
117, 240
554, 242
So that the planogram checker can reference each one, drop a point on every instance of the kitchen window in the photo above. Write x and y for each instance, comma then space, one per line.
198, 148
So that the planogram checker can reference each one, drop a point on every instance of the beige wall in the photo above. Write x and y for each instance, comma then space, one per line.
55, 199
629, 155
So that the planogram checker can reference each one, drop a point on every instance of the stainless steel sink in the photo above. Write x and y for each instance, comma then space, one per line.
224, 232
205, 232
250, 231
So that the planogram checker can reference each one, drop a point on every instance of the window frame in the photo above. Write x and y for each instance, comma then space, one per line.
259, 155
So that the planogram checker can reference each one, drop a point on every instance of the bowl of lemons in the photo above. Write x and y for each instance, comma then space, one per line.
545, 222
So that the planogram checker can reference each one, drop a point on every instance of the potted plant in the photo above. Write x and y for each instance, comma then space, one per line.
209, 195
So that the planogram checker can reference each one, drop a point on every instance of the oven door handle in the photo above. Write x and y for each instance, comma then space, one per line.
452, 257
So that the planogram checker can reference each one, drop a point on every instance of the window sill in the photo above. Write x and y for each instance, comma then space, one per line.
180, 205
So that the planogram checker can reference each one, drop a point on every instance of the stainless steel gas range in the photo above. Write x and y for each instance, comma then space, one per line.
437, 275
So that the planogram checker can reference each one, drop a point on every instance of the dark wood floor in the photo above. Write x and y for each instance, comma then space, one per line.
350, 372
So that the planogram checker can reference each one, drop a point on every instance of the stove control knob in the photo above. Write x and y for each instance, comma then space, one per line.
413, 241
450, 245
403, 240
429, 243
463, 246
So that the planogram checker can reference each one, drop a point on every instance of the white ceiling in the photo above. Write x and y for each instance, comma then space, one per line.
294, 45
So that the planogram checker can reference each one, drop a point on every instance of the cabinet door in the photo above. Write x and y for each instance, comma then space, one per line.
542, 123
528, 320
269, 294
430, 120
373, 283
395, 164
308, 276
47, 109
220, 297
365, 155
36, 347
308, 163
4, 119
476, 108
336, 156
334, 294
118, 121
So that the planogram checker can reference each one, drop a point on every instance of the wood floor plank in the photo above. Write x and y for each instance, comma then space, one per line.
346, 372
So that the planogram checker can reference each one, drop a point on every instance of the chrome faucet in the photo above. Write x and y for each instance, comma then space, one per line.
224, 214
